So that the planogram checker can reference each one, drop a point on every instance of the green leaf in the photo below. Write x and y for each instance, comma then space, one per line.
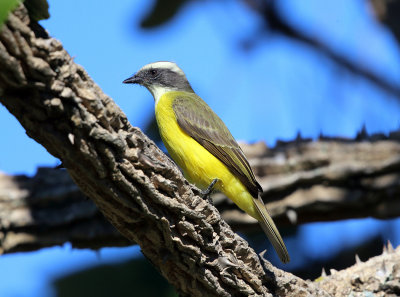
6, 6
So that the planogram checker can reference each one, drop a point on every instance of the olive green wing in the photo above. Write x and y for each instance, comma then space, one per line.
198, 120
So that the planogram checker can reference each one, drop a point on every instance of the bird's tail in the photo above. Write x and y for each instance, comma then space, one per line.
268, 225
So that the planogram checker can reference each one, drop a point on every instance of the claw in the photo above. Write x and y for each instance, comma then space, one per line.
206, 193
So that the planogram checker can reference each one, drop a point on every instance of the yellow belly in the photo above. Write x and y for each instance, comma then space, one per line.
198, 165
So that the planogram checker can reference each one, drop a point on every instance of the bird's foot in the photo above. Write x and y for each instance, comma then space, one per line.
206, 193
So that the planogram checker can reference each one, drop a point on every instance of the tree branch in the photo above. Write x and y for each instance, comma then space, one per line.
144, 195
276, 23
331, 178
328, 179
379, 276
49, 209
137, 188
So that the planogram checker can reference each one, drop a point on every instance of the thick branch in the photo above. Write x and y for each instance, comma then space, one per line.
137, 188
331, 179
143, 194
328, 179
379, 276
49, 209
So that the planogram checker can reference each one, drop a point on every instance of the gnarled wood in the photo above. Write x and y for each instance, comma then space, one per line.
49, 209
379, 276
327, 179
137, 188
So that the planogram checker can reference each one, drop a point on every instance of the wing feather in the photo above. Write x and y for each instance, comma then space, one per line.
198, 120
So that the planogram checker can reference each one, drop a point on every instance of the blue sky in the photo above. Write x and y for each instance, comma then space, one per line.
269, 92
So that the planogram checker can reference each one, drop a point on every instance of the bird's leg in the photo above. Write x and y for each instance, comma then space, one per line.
206, 193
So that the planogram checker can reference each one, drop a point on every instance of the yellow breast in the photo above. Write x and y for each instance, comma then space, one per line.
198, 164
191, 157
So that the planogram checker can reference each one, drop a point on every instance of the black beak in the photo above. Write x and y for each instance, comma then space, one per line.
134, 79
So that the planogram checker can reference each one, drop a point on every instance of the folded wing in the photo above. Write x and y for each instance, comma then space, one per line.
198, 120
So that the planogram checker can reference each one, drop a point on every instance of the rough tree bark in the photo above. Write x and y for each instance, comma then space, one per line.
379, 276
305, 181
49, 209
137, 188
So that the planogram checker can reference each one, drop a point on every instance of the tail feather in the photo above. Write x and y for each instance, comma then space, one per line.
269, 228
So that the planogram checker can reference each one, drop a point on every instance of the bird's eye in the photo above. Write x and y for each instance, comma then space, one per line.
153, 72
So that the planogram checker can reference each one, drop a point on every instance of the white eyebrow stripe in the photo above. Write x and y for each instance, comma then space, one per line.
163, 65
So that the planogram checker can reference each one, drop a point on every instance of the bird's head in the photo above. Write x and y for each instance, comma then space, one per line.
160, 77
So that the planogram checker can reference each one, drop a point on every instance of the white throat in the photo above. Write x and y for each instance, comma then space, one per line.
158, 91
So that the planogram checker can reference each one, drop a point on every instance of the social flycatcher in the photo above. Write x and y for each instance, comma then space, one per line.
202, 145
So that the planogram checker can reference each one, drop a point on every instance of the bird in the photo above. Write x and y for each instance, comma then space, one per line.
202, 146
